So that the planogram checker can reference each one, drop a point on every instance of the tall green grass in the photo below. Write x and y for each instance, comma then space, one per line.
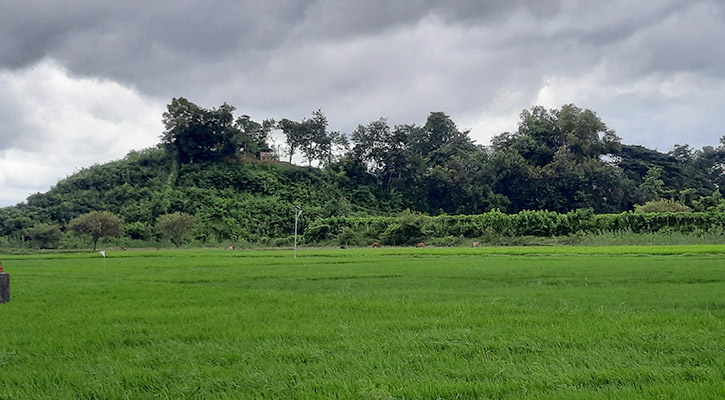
540, 323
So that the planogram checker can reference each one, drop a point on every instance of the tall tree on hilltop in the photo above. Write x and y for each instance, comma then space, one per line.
312, 139
195, 134
566, 159
251, 136
294, 135
369, 142
453, 181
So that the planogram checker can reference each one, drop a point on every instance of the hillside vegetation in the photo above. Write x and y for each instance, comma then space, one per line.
232, 200
556, 175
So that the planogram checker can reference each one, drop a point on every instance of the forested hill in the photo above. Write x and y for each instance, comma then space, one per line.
217, 168
231, 199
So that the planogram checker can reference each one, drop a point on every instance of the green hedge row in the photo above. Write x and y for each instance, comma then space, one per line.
525, 223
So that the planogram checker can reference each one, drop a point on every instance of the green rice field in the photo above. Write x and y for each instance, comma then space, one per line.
451, 323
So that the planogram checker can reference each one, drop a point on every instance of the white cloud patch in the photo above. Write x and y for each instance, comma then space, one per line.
58, 124
659, 110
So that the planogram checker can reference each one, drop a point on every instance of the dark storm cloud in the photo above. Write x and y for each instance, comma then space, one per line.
364, 59
138, 41
135, 41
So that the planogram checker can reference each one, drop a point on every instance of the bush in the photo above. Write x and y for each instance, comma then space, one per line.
496, 227
283, 242
446, 241
176, 227
408, 230
662, 206
318, 233
139, 230
45, 236
348, 237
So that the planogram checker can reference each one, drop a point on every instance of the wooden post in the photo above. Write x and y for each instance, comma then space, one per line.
4, 287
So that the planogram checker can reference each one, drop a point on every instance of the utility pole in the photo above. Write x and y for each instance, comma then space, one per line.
297, 217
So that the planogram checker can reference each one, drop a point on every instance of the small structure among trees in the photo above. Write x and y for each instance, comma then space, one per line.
266, 154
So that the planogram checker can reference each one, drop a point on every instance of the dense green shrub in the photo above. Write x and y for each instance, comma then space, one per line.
288, 241
254, 203
349, 237
491, 227
176, 227
662, 206
318, 233
445, 241
408, 229
139, 230
45, 236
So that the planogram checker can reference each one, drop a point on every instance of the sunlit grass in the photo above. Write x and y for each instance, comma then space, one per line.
546, 322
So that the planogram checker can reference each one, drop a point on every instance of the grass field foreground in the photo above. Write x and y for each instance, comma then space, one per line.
584, 322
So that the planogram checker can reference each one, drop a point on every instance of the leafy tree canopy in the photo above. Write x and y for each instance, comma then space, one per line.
176, 227
195, 134
97, 224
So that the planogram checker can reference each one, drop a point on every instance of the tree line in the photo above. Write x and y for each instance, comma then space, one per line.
558, 159
207, 166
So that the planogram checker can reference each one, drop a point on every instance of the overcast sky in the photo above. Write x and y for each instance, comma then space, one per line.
84, 82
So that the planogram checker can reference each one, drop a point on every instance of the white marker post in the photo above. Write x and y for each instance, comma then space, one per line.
297, 217
103, 253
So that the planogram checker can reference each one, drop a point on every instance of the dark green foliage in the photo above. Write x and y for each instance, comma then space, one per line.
256, 200
194, 134
686, 222
130, 187
13, 220
556, 161
652, 186
411, 228
139, 230
714, 202
348, 237
312, 139
320, 232
176, 227
45, 236
406, 230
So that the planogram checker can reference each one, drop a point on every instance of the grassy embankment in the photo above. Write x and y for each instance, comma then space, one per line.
545, 322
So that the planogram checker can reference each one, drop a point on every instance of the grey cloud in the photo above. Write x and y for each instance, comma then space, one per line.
360, 59
134, 41
340, 19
